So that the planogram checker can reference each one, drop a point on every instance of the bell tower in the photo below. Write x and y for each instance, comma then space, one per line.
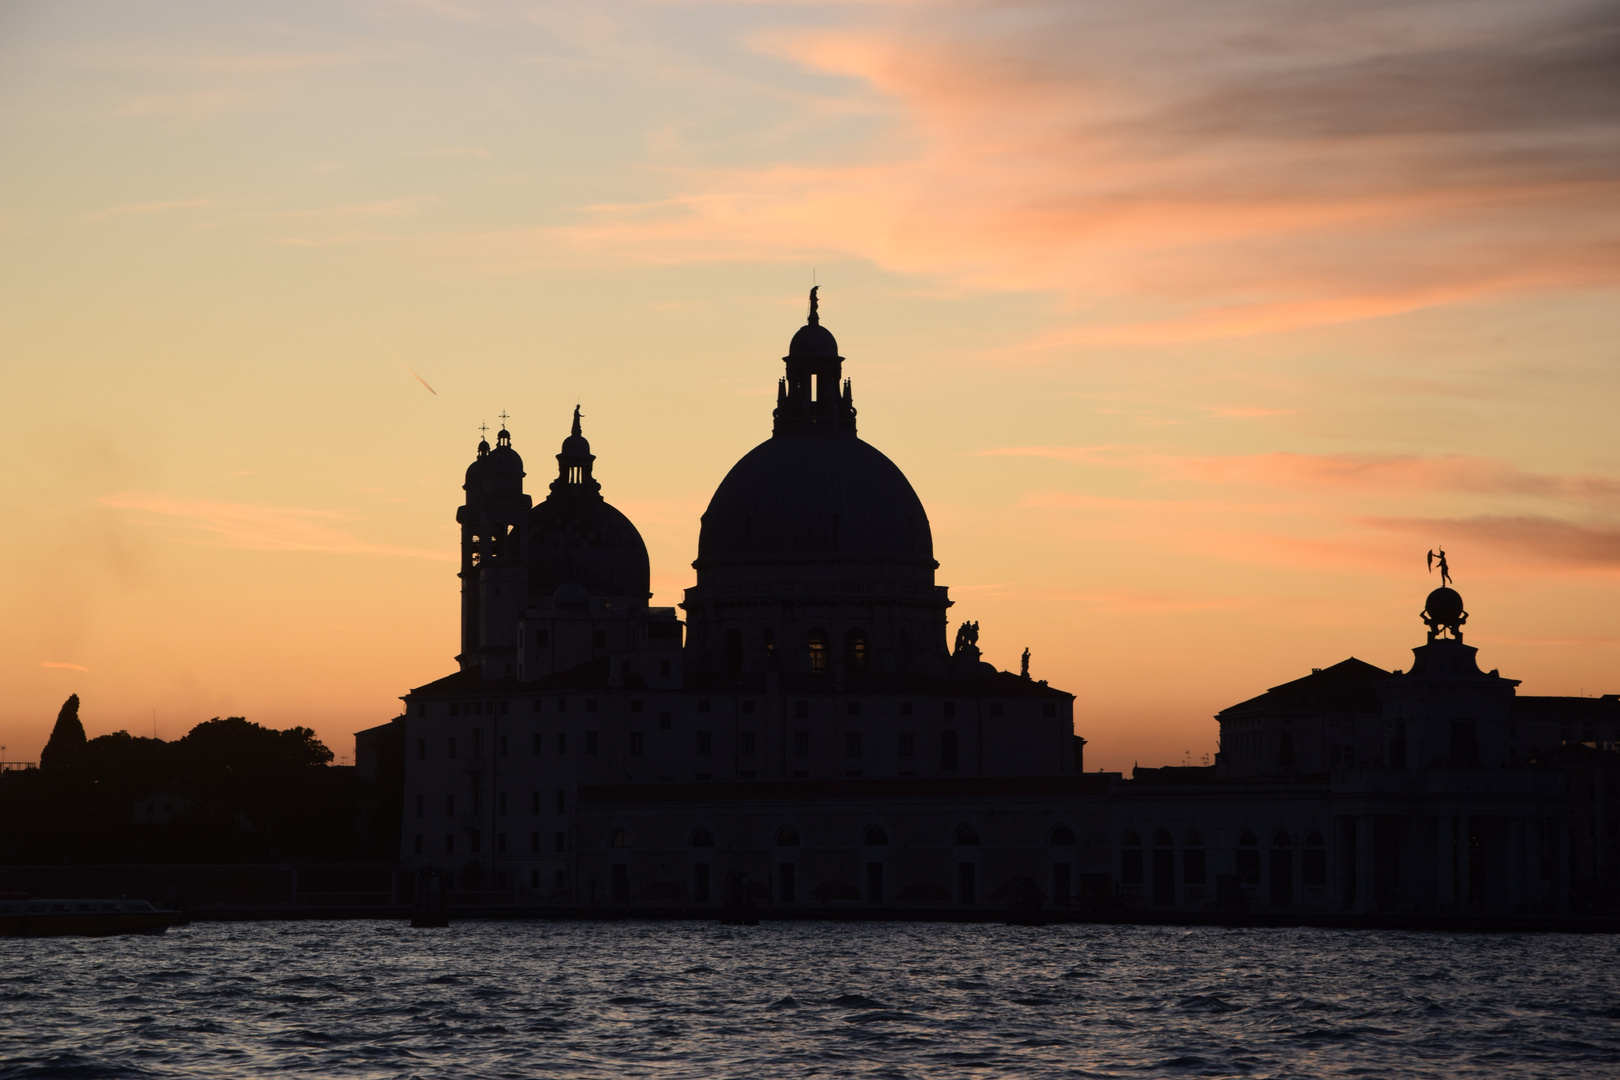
494, 558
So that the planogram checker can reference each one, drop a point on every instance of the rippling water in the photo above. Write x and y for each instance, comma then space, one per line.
492, 999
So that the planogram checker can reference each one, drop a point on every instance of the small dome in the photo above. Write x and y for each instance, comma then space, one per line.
505, 461
580, 539
577, 446
1444, 605
813, 342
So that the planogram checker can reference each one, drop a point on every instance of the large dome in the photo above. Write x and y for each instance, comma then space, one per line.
815, 496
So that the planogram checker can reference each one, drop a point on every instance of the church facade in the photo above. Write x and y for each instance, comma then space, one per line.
806, 730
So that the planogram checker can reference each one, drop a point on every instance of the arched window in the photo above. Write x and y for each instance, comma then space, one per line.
967, 835
619, 838
1162, 839
855, 650
734, 650
818, 651
875, 837
1313, 863
1194, 869
1130, 859
1285, 748
1280, 839
1248, 858
703, 838
787, 836
947, 750
1062, 836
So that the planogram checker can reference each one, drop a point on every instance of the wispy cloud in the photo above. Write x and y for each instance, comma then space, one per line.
113, 212
261, 528
1224, 172
64, 665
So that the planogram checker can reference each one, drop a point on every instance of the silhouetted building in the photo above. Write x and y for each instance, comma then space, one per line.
808, 727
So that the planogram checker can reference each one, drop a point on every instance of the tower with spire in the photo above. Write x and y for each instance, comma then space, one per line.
494, 563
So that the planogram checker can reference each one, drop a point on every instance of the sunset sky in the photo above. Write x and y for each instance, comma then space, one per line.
1194, 324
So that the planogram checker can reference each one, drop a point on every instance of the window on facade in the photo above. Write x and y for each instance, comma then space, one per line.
1162, 839
854, 708
534, 802
500, 843
787, 836
801, 744
704, 707
449, 806
562, 704
421, 749
947, 750
905, 708
855, 650
663, 721
455, 708
1062, 836
534, 843
967, 836
907, 744
948, 710
542, 639
503, 746
619, 838
560, 796
539, 739
635, 743
1285, 748
599, 639
702, 838
734, 650
748, 708
1130, 858
590, 704
449, 843
590, 742
1313, 863
1049, 710
418, 847
745, 744
506, 706
852, 744
705, 743
995, 708
562, 743
635, 706
419, 800
875, 837
451, 749
534, 706
663, 669
818, 651
478, 742
801, 709
560, 843
500, 804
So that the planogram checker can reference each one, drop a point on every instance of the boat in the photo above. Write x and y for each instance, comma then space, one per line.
32, 917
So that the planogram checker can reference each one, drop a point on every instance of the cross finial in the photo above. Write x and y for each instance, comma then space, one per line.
504, 418
483, 429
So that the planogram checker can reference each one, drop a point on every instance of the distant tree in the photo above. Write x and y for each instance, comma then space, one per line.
66, 744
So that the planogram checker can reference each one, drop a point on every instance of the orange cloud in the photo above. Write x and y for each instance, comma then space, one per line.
259, 528
62, 664
1162, 161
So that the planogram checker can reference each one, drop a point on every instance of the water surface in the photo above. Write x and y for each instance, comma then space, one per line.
518, 999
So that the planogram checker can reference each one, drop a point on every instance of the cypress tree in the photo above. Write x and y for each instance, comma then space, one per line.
66, 744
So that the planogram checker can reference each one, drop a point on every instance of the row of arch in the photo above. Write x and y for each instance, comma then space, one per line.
1195, 838
857, 649
873, 836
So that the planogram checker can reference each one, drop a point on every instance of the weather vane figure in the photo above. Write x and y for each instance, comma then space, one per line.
1445, 568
